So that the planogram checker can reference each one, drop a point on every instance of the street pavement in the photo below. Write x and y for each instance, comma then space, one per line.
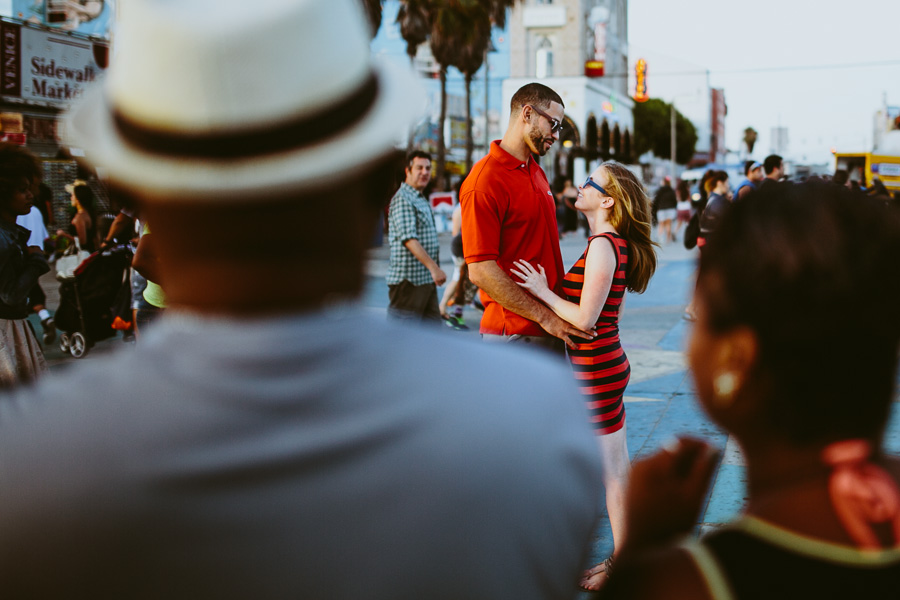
660, 400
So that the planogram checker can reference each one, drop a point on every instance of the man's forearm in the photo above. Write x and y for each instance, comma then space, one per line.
416, 249
488, 276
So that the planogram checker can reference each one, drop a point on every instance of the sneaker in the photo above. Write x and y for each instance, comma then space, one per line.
49, 330
455, 323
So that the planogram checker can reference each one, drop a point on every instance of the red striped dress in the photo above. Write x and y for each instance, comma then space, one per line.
600, 365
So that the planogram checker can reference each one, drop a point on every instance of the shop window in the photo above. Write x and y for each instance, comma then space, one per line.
543, 64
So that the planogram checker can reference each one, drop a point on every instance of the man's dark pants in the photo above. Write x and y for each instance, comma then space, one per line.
410, 301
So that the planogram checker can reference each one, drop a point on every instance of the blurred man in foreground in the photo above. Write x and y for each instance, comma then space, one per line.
270, 438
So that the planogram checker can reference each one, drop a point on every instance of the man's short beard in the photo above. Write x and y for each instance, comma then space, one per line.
537, 139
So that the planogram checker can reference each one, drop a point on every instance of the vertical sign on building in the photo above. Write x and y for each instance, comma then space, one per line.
640, 87
10, 59
596, 67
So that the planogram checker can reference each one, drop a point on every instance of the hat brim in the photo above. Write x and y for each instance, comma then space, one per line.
91, 128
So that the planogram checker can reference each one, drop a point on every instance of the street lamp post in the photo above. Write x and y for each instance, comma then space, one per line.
673, 143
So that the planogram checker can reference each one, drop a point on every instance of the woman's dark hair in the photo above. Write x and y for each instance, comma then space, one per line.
683, 190
714, 178
812, 269
17, 165
704, 195
86, 199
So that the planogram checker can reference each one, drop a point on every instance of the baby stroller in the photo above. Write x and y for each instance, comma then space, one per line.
87, 294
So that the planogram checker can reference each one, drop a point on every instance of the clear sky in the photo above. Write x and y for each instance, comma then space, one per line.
749, 49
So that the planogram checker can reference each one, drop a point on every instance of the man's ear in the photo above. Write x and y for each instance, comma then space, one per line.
525, 116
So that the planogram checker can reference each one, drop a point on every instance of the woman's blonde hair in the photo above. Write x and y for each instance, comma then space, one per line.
631, 218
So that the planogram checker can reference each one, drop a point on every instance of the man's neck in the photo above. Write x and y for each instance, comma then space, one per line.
414, 187
514, 143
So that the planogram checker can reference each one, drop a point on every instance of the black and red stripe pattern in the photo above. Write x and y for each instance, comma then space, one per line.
600, 365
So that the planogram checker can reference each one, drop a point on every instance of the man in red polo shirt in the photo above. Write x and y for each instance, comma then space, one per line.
509, 213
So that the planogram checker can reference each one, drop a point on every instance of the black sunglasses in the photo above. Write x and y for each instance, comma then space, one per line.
555, 125
593, 184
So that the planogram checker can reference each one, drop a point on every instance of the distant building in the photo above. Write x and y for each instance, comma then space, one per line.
580, 49
887, 119
52, 50
778, 140
486, 99
718, 111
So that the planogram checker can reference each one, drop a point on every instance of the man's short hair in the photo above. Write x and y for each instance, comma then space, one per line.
772, 162
534, 94
414, 155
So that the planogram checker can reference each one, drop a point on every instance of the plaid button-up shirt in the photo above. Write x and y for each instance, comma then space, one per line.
410, 217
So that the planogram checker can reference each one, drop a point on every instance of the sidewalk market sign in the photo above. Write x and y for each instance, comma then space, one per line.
47, 68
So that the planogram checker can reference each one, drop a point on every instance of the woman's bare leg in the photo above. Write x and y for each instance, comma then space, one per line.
613, 449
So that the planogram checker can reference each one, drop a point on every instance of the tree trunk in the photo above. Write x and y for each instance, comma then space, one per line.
469, 141
442, 150
410, 140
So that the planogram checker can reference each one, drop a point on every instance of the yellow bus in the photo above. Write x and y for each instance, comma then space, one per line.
864, 167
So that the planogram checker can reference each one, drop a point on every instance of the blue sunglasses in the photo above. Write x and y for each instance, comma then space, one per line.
590, 182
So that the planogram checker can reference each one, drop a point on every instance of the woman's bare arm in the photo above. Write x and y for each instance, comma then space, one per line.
599, 270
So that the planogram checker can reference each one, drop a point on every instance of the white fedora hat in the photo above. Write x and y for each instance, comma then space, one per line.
225, 100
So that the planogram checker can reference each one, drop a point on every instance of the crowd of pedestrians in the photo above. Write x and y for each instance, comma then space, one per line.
268, 437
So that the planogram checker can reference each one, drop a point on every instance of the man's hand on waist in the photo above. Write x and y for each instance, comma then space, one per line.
559, 328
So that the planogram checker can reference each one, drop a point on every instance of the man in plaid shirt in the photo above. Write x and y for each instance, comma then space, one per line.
414, 273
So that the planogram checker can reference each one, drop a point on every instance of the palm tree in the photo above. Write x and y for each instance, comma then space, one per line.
460, 37
750, 139
460, 34
414, 18
373, 9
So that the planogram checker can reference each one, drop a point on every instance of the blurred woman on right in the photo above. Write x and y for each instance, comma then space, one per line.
794, 354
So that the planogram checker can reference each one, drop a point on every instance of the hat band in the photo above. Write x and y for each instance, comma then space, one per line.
270, 140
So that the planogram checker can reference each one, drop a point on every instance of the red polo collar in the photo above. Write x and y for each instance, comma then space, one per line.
505, 158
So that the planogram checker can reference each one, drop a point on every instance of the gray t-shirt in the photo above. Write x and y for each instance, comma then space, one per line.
327, 455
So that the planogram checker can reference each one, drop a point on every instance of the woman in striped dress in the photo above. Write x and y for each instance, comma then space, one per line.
620, 255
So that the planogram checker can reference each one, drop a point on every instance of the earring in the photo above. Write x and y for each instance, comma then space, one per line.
725, 385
